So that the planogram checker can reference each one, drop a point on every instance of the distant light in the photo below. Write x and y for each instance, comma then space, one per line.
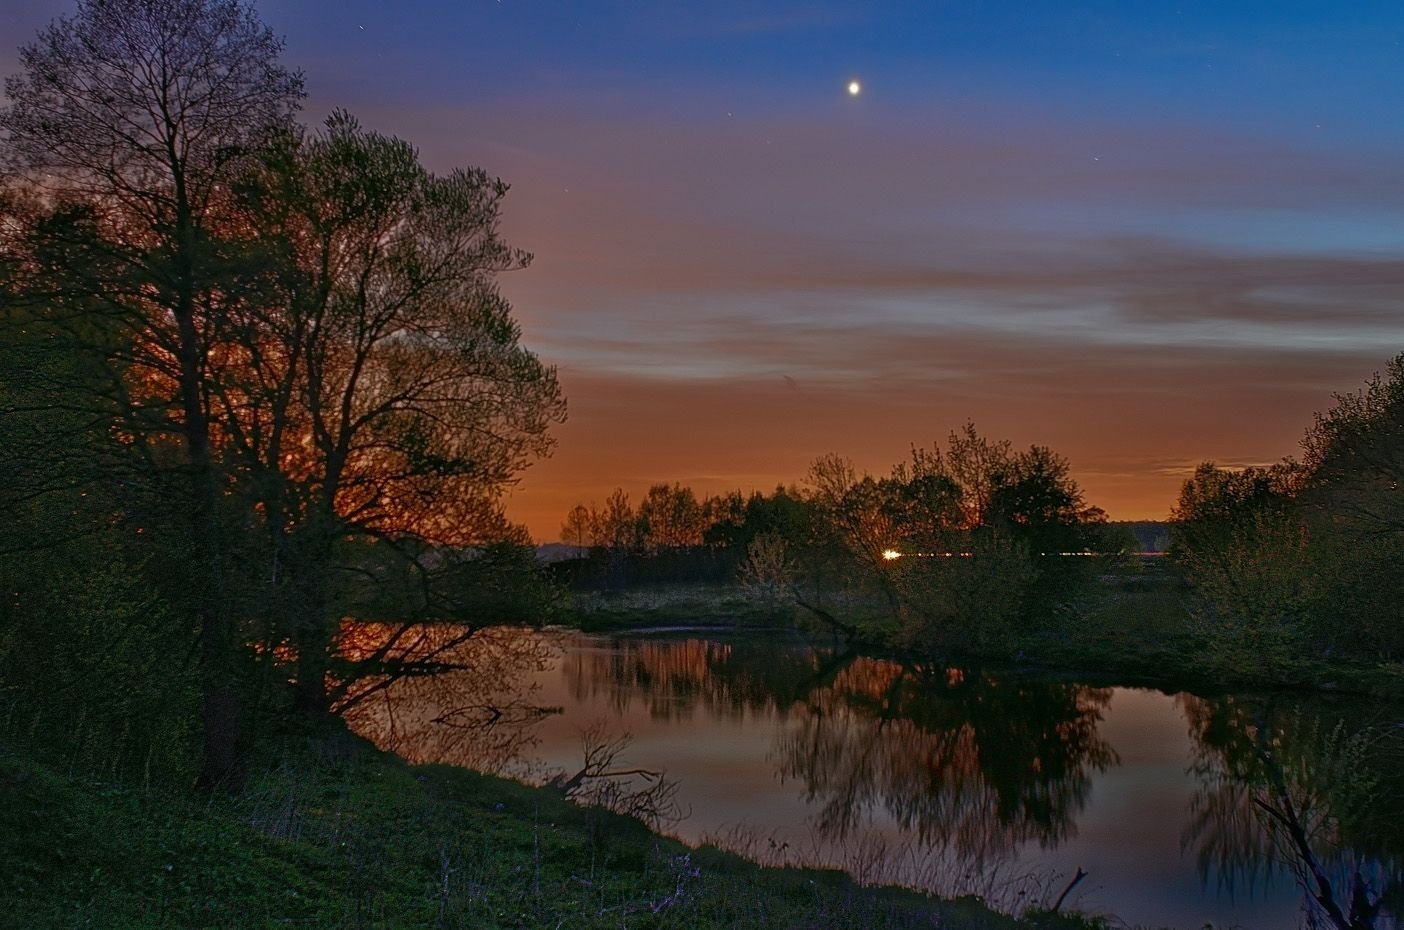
890, 554
854, 88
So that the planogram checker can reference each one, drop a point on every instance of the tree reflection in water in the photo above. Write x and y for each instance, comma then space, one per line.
939, 778
1303, 790
929, 777
968, 765
476, 710
676, 676
969, 762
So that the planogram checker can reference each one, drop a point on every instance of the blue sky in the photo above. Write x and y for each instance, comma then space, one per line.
1144, 234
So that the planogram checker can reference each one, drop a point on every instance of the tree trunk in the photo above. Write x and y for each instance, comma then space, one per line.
314, 628
219, 693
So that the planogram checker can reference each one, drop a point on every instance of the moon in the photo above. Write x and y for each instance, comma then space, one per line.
854, 88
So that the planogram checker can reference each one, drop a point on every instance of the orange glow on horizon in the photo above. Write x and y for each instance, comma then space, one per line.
1130, 458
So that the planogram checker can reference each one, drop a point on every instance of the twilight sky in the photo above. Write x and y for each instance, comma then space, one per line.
1142, 233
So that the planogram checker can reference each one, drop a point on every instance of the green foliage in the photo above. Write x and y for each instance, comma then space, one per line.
671, 516
767, 573
971, 602
1354, 496
91, 663
94, 663
967, 546
500, 583
1296, 561
1243, 545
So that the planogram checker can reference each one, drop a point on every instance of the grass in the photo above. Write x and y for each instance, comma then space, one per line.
1136, 628
341, 836
713, 605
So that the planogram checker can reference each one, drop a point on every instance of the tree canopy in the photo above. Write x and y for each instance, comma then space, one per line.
296, 333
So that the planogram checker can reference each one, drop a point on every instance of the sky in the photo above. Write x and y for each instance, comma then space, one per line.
1144, 234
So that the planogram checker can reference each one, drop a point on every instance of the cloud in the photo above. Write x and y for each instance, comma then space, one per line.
733, 285
1162, 296
1133, 423
724, 314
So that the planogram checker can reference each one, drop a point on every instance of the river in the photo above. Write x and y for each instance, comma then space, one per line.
957, 781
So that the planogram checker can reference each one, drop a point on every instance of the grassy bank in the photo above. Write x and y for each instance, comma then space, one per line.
341, 836
708, 605
1134, 628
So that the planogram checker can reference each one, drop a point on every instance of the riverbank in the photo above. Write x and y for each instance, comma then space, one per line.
338, 835
1136, 629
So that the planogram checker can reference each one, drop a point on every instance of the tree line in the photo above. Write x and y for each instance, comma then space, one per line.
959, 547
258, 377
968, 548
1302, 559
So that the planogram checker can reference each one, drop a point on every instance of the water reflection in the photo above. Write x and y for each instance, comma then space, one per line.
972, 761
481, 712
956, 781
676, 677
1306, 789
979, 762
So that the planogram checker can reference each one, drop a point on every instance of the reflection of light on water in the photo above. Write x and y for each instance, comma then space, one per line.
481, 712
937, 778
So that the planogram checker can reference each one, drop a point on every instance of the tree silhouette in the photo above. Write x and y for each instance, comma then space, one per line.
382, 389
307, 331
130, 119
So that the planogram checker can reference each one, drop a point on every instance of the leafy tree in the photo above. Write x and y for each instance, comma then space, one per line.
725, 516
1354, 455
842, 552
132, 117
767, 572
86, 637
736, 520
618, 527
671, 517
1296, 560
1239, 538
308, 334
961, 545
382, 387
579, 527
1354, 501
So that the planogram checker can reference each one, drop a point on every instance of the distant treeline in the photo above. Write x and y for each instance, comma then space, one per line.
1305, 558
1150, 535
961, 546
975, 547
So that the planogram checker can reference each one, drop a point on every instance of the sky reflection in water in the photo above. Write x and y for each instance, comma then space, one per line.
960, 782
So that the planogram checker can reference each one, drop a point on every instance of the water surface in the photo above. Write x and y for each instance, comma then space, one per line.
952, 780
